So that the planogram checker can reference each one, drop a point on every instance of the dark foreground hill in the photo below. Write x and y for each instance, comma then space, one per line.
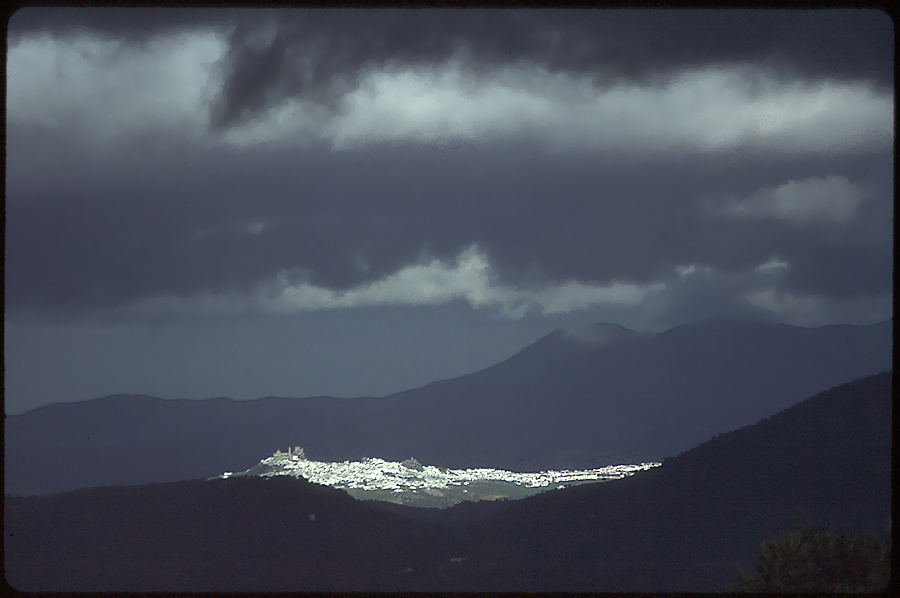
244, 534
601, 397
684, 526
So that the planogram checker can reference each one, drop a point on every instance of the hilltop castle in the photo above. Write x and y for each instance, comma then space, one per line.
295, 452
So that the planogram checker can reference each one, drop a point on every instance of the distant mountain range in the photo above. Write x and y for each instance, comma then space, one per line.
576, 399
681, 527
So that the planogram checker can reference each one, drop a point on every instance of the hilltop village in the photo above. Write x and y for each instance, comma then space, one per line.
378, 474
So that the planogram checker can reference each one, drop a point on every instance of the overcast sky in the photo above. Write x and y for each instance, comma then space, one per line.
256, 203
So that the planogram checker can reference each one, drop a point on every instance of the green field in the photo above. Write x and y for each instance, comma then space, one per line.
440, 498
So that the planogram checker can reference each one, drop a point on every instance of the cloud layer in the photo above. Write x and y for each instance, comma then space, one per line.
245, 202
533, 161
109, 93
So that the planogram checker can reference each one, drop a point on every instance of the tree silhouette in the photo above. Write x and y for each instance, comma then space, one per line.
810, 560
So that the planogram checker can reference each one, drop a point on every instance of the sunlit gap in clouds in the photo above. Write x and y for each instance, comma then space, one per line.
432, 282
706, 110
470, 279
701, 109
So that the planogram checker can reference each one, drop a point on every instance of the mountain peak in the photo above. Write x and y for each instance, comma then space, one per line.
599, 335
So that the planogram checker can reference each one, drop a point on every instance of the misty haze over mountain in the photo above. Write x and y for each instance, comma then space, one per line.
573, 400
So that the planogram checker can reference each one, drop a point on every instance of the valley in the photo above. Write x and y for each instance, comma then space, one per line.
682, 526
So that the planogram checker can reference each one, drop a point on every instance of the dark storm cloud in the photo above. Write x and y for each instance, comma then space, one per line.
539, 221
318, 55
116, 234
134, 25
321, 54
189, 232
314, 49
